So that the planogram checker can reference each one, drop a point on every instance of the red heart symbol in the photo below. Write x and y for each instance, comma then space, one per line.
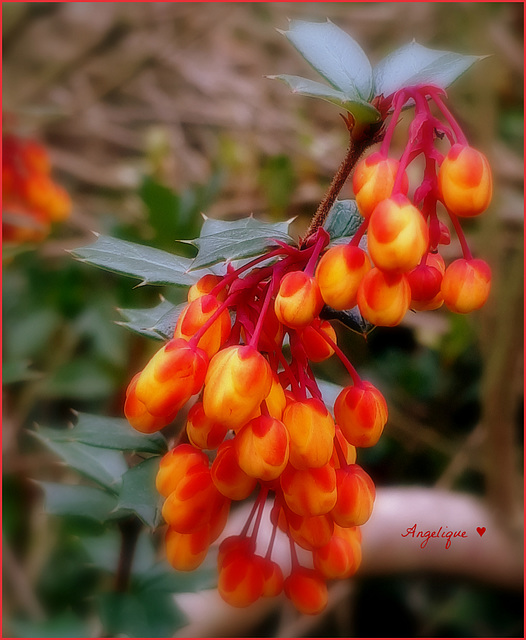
481, 531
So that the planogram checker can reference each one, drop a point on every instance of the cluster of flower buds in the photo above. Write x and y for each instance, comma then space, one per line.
243, 347
32, 201
404, 234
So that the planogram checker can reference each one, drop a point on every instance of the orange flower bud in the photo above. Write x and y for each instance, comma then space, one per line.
466, 285
311, 429
307, 590
373, 181
34, 157
228, 476
340, 557
204, 286
310, 532
425, 281
464, 181
356, 494
174, 374
186, 551
195, 315
273, 578
309, 492
241, 578
298, 300
361, 412
238, 380
339, 274
193, 503
203, 432
397, 236
176, 464
384, 298
276, 400
316, 348
262, 448
137, 414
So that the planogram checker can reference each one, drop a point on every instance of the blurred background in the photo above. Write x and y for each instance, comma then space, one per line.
153, 113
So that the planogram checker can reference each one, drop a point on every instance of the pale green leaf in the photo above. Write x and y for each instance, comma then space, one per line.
335, 55
362, 111
156, 322
78, 501
414, 64
150, 265
138, 493
107, 433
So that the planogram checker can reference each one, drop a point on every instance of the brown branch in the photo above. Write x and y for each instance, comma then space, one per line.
129, 529
360, 140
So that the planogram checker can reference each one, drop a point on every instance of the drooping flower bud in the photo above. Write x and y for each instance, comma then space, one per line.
195, 315
174, 374
466, 285
238, 380
464, 181
311, 429
397, 236
339, 274
361, 413
373, 181
298, 300
384, 298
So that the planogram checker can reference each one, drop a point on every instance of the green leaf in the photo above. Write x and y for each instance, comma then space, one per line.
18, 371
360, 109
107, 433
414, 64
65, 625
156, 322
138, 493
242, 239
79, 501
140, 615
212, 226
334, 55
150, 265
343, 220
162, 577
101, 465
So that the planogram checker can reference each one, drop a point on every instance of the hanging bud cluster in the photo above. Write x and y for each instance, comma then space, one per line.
32, 201
242, 351
404, 234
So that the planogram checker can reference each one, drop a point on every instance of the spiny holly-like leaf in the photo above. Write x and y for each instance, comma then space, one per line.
334, 55
150, 265
362, 111
212, 226
414, 64
157, 322
241, 239
79, 501
101, 465
343, 220
107, 433
138, 493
